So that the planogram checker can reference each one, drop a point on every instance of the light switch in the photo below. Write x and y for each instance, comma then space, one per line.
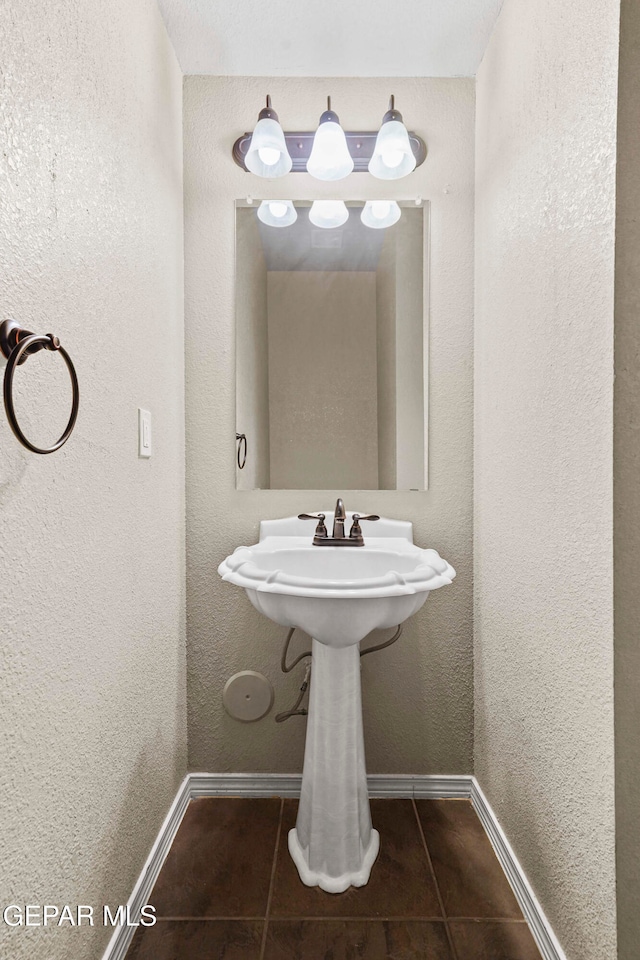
144, 433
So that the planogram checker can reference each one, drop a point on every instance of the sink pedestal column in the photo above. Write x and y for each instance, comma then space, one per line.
333, 844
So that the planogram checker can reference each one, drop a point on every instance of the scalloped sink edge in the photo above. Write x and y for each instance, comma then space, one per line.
285, 562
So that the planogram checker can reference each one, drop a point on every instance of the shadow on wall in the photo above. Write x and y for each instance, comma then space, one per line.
412, 725
119, 872
13, 463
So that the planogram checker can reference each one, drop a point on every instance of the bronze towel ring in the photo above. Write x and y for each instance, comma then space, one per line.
241, 454
17, 344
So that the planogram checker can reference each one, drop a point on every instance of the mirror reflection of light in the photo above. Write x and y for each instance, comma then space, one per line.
278, 209
379, 214
328, 213
380, 209
277, 213
270, 156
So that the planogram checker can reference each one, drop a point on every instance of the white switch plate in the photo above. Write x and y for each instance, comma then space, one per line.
144, 433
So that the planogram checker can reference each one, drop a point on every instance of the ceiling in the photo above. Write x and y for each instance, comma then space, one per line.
330, 38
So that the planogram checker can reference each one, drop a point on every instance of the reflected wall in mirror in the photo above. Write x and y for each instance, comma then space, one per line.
330, 346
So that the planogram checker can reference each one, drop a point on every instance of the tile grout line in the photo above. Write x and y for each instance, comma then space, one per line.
187, 919
435, 880
487, 920
363, 919
355, 919
263, 945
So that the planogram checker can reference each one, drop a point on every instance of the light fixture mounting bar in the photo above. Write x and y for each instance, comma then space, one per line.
361, 146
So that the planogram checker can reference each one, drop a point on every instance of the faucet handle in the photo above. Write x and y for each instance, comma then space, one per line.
356, 530
321, 530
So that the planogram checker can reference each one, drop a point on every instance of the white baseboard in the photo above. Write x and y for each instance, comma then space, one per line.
288, 785
198, 785
122, 936
545, 938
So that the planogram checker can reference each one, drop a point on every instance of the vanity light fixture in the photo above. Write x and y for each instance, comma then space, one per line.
329, 153
277, 213
268, 155
392, 157
379, 214
330, 158
328, 213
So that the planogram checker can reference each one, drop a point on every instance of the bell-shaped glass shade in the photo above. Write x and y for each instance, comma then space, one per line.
392, 155
330, 158
328, 213
267, 155
379, 214
277, 213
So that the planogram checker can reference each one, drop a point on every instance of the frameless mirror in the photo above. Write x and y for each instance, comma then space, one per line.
330, 345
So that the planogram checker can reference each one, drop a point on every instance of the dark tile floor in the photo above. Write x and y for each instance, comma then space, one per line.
229, 891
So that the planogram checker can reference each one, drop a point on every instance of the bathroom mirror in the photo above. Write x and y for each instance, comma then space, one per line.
331, 359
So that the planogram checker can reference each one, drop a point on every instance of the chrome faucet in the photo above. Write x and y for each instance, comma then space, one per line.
338, 538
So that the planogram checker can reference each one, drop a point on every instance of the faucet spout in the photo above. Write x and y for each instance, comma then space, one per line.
338, 538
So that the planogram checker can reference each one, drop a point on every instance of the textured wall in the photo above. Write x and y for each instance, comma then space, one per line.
626, 487
417, 695
92, 704
545, 205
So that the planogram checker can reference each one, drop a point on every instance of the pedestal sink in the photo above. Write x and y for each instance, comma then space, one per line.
337, 595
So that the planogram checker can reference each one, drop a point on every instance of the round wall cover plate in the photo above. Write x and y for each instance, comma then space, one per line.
247, 696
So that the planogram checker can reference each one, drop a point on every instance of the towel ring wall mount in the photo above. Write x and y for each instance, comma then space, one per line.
241, 453
17, 344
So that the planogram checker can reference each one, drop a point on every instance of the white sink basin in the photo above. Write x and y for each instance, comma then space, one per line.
338, 595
